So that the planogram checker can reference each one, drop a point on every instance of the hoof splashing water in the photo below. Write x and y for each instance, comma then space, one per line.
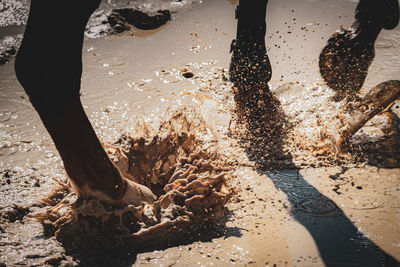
189, 181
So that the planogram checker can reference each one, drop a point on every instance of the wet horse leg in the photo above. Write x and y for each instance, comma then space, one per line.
250, 69
49, 67
345, 60
250, 63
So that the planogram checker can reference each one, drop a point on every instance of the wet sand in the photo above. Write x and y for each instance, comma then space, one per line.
346, 215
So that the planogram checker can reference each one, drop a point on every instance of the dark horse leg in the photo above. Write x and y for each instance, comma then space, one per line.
250, 69
345, 60
49, 67
250, 64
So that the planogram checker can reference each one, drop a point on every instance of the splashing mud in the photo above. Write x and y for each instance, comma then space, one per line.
189, 181
275, 218
295, 130
291, 126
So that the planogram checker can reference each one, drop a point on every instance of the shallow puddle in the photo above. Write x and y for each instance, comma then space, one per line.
297, 205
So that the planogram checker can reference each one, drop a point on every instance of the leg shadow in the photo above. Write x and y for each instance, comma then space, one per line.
87, 253
339, 241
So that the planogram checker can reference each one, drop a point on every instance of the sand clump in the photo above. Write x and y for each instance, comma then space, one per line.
189, 180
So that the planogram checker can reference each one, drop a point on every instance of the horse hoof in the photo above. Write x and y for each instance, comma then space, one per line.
345, 60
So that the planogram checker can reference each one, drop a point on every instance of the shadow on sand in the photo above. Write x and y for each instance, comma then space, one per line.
339, 241
127, 255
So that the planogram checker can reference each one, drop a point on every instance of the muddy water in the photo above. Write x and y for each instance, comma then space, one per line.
345, 214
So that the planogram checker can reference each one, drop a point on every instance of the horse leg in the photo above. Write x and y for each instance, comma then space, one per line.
49, 67
345, 60
250, 69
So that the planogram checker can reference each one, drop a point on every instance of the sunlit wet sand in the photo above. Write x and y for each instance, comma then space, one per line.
313, 210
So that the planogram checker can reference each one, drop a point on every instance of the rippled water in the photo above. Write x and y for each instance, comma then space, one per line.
304, 198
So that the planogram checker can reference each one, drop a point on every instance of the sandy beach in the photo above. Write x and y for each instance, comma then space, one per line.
320, 213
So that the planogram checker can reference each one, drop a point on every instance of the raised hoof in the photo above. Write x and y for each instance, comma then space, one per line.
344, 62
